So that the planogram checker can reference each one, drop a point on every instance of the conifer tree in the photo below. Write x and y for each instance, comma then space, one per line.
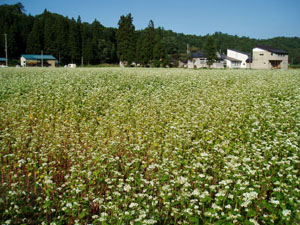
148, 43
126, 39
139, 49
49, 33
210, 50
159, 50
73, 42
34, 39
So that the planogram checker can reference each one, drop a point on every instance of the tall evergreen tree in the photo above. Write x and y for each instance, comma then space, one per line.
139, 49
159, 50
148, 43
126, 39
49, 33
61, 40
210, 50
34, 39
73, 42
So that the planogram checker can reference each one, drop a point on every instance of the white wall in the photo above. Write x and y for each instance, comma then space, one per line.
23, 61
228, 63
237, 55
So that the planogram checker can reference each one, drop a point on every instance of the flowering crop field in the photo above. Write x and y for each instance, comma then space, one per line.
149, 146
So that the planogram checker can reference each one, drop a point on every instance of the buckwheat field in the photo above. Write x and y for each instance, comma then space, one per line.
149, 146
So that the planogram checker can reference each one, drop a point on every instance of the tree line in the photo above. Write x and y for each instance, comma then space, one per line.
74, 41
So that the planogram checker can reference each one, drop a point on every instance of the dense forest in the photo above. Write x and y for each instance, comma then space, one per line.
74, 41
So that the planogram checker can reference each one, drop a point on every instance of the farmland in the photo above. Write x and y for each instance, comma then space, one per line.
149, 146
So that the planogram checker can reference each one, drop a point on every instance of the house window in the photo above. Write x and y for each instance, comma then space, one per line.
271, 53
261, 54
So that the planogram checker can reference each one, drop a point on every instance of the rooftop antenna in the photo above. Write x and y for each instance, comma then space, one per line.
5, 35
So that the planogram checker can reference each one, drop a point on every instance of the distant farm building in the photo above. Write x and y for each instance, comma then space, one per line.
199, 60
2, 61
71, 65
265, 57
238, 59
38, 60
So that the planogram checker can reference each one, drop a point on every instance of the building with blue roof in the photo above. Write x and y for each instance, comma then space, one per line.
38, 60
2, 61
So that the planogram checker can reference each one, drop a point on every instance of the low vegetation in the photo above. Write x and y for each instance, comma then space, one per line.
156, 146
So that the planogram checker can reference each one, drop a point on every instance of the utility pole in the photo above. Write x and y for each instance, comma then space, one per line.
5, 35
82, 61
42, 60
188, 49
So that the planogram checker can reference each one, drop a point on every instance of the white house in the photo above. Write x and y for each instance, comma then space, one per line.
266, 57
199, 60
237, 59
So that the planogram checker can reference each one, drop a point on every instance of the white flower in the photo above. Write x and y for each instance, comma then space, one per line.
48, 181
127, 188
182, 180
254, 221
286, 212
201, 175
133, 205
274, 201
196, 192
150, 221
228, 206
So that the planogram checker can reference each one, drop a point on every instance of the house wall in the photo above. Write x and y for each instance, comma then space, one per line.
261, 59
23, 61
182, 64
233, 64
202, 63
237, 55
228, 63
218, 65
51, 62
197, 63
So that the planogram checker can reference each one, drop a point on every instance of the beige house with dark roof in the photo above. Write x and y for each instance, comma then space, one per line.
265, 57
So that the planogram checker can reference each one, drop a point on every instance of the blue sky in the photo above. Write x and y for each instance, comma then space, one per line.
253, 18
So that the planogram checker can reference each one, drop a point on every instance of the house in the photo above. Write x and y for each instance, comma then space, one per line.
38, 60
2, 61
182, 63
199, 60
237, 59
265, 57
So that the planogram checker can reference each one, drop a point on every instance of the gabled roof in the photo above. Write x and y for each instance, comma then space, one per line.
270, 49
233, 59
223, 56
198, 55
245, 53
38, 57
2, 60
